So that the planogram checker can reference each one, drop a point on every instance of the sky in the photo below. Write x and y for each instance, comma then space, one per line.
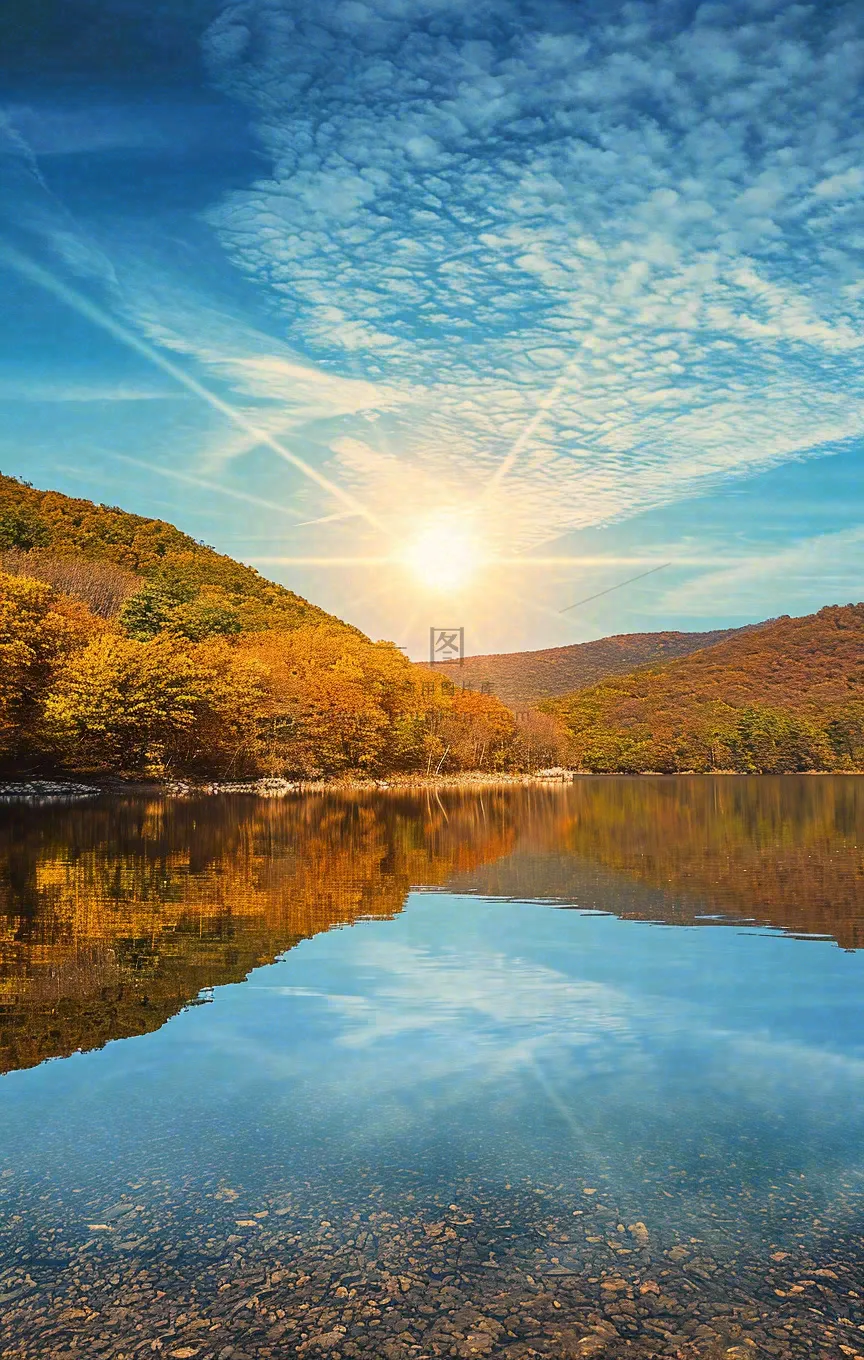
448, 314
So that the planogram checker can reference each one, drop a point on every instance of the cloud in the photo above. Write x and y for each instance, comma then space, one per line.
804, 574
419, 991
466, 1018
464, 203
178, 315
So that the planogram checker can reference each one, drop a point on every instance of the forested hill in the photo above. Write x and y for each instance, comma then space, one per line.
786, 696
128, 648
133, 552
524, 677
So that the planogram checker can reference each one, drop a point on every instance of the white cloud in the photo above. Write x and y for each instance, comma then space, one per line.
467, 1018
845, 185
467, 201
421, 991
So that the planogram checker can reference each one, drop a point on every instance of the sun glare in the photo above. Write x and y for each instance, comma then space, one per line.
443, 556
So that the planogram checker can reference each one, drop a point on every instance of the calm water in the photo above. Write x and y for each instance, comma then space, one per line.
564, 1072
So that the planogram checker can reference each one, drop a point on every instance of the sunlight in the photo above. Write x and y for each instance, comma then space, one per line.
444, 555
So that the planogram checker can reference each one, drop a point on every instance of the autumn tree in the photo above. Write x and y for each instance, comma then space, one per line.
22, 527
541, 741
477, 732
331, 702
38, 629
126, 706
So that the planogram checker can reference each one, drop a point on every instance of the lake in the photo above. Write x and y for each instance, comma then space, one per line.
556, 1071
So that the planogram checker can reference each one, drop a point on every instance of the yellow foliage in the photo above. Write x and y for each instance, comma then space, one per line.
57, 526
38, 628
331, 699
315, 701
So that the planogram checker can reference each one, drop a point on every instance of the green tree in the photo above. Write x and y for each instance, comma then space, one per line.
845, 734
149, 611
205, 617
773, 741
21, 527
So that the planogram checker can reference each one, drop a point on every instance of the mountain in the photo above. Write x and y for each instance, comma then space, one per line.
786, 696
103, 555
525, 677
127, 648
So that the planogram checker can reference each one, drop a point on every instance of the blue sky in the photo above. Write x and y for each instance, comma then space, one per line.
401, 299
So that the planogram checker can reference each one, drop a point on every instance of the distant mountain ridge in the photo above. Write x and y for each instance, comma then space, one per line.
524, 677
783, 697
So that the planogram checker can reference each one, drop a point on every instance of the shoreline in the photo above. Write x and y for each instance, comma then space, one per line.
59, 787
92, 787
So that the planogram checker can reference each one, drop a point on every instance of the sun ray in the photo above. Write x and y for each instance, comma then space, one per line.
326, 519
396, 559
28, 269
203, 482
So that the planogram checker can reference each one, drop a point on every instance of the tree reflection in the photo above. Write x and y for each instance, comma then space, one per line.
116, 915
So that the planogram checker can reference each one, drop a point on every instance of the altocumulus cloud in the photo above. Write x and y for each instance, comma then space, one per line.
641, 221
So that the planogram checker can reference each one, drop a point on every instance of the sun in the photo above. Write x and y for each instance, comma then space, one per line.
443, 556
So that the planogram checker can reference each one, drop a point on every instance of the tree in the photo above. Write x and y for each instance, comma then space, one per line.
21, 527
332, 699
844, 731
38, 629
149, 610
477, 732
770, 741
127, 706
210, 615
541, 741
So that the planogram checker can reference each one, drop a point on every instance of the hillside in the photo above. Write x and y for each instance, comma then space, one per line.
524, 677
127, 648
786, 696
51, 536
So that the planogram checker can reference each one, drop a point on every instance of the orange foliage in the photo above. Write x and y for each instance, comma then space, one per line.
113, 917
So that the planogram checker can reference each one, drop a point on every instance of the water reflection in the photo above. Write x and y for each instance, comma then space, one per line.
786, 852
472, 1124
114, 916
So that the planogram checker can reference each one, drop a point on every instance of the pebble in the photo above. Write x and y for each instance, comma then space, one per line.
400, 1274
45, 790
